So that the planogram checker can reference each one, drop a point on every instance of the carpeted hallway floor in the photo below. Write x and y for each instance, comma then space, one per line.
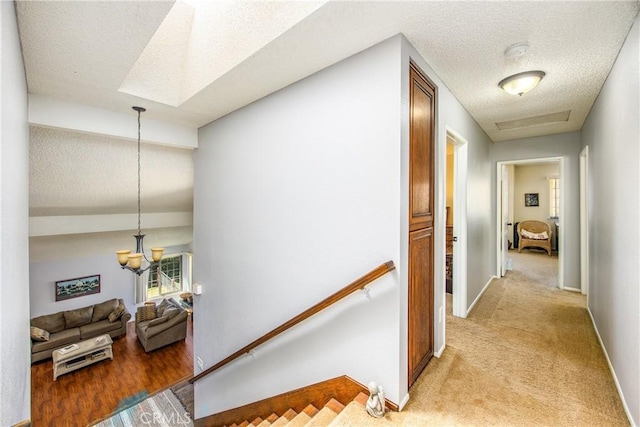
527, 355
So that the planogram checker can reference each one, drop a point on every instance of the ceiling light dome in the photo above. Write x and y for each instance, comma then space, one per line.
521, 83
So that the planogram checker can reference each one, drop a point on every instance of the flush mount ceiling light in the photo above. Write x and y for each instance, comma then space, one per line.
133, 262
521, 83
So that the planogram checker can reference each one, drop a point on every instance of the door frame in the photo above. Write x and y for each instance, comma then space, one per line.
504, 248
584, 222
460, 173
563, 199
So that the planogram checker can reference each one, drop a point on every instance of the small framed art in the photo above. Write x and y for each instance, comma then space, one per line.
531, 199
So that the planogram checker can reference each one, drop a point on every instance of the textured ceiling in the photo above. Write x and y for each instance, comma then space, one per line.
93, 52
79, 174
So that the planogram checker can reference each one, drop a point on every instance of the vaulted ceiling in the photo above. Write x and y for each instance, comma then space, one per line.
192, 62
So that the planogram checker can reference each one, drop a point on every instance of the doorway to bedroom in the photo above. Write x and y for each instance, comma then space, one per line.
529, 212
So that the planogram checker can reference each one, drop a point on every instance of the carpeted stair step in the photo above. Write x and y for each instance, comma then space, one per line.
303, 417
285, 418
299, 420
328, 412
310, 416
355, 414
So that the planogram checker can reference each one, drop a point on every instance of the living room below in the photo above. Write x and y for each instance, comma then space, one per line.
94, 392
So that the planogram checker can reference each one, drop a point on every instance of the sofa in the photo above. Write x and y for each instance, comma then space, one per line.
157, 326
57, 330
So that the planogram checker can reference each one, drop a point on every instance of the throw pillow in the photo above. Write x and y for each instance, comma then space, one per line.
171, 312
50, 322
117, 313
534, 236
158, 321
38, 334
162, 307
79, 317
146, 312
101, 311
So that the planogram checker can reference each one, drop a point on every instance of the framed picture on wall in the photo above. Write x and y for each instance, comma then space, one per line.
72, 288
531, 199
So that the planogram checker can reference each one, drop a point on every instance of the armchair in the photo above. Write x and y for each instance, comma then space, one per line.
157, 326
535, 234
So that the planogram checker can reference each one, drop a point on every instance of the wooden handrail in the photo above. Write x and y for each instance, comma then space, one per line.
349, 289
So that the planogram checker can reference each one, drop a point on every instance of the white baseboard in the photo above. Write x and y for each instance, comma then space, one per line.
572, 289
613, 372
439, 352
403, 402
484, 289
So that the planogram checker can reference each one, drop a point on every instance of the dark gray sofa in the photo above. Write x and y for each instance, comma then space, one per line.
67, 327
157, 326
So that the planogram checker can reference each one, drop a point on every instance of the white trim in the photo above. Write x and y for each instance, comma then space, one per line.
572, 289
484, 289
504, 199
613, 372
460, 180
77, 224
403, 402
563, 201
439, 352
584, 222
563, 215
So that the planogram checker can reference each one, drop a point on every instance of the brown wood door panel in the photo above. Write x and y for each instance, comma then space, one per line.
421, 201
420, 301
421, 159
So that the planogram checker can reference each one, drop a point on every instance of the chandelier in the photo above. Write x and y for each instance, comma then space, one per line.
133, 261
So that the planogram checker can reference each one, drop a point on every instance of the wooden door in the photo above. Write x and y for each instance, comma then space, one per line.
421, 158
421, 200
420, 301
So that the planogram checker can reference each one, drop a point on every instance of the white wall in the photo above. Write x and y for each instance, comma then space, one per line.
611, 133
302, 192
114, 281
567, 146
533, 179
57, 114
15, 371
296, 195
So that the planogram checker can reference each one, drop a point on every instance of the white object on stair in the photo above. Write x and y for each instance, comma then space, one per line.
375, 403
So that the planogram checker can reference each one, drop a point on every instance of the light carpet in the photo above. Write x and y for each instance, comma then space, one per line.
160, 410
527, 355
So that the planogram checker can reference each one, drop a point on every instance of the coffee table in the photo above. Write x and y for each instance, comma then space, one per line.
88, 352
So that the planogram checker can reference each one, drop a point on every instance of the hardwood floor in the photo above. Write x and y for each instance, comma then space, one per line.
93, 392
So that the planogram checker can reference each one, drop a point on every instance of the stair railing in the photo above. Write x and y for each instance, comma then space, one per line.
358, 284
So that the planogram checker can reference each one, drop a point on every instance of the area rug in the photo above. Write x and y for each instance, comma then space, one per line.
131, 400
160, 410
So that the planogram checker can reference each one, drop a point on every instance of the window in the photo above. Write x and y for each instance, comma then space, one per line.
174, 276
554, 197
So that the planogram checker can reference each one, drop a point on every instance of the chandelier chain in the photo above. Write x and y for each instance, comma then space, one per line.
138, 171
127, 260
